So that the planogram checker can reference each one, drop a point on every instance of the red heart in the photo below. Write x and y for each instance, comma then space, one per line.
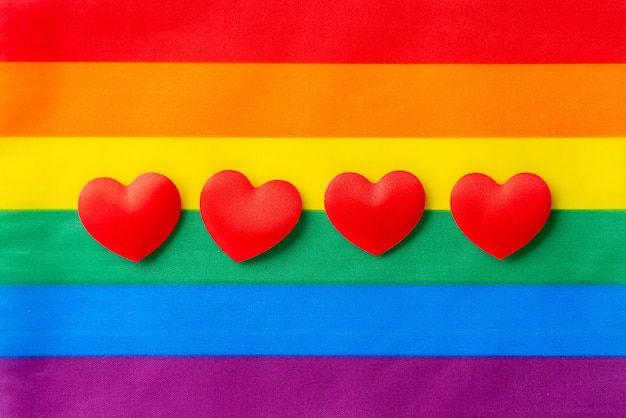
131, 221
246, 221
500, 219
375, 217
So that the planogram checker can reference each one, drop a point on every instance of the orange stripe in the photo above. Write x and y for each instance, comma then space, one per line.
312, 100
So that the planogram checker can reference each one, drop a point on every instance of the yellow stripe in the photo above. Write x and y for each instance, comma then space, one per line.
48, 173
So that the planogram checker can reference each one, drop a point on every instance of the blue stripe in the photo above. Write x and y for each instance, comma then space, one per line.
313, 320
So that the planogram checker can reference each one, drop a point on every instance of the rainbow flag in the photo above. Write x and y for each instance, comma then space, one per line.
304, 91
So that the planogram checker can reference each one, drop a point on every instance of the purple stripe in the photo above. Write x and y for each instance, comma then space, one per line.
312, 387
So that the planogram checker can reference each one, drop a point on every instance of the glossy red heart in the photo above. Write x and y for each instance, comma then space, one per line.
375, 216
246, 221
131, 221
500, 219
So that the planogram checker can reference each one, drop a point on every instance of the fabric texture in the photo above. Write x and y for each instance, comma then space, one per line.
307, 324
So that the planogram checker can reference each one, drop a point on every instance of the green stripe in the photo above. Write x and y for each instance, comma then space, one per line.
575, 247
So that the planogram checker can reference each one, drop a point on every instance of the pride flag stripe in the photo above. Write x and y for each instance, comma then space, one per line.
575, 247
314, 386
314, 100
582, 173
331, 31
313, 320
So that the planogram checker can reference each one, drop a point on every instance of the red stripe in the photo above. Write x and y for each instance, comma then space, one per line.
330, 31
